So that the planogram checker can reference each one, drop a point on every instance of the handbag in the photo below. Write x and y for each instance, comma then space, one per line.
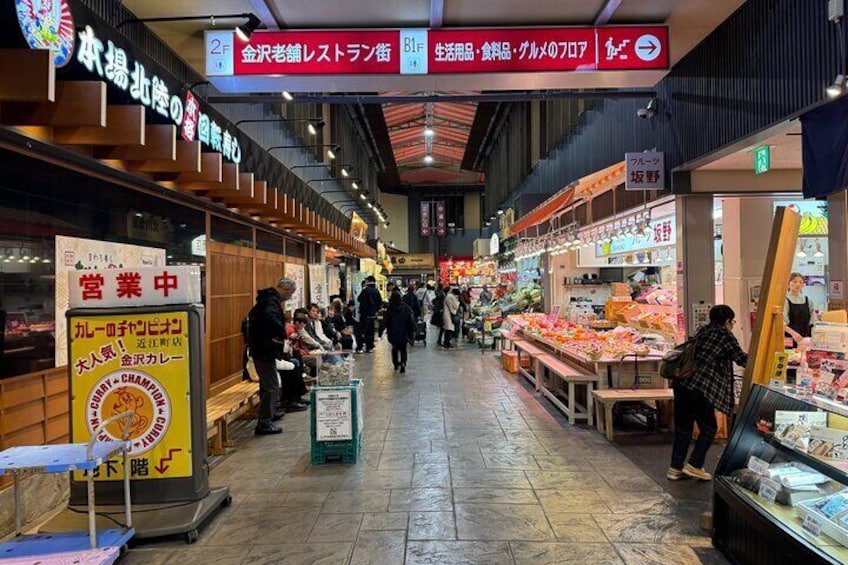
250, 367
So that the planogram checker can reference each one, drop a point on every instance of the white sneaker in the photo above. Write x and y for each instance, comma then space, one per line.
283, 365
696, 473
674, 474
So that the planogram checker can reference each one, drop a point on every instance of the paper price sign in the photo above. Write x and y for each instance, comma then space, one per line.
812, 526
758, 466
769, 490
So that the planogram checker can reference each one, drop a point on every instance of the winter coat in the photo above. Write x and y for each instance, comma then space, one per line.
400, 325
412, 301
370, 302
451, 309
266, 323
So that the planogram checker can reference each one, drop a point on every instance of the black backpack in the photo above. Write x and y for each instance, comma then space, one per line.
678, 364
438, 310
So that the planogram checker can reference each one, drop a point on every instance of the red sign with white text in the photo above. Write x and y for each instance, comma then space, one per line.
442, 51
441, 219
318, 52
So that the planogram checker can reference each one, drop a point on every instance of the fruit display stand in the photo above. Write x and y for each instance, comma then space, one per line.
90, 547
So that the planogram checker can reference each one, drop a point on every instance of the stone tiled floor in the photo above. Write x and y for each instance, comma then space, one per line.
460, 464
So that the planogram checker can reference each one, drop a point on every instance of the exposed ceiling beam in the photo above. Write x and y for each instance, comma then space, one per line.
511, 96
263, 11
437, 13
606, 12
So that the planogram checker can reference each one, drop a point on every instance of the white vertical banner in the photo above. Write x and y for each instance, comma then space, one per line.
318, 284
298, 274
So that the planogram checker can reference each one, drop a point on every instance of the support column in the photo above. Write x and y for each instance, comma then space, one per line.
837, 245
695, 254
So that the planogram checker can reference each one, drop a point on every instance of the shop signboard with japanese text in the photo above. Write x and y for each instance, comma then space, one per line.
297, 273
662, 234
438, 51
645, 171
77, 254
441, 218
139, 363
425, 219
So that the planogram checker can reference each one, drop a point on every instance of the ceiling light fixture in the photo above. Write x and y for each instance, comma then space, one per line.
429, 132
311, 129
500, 212
287, 96
836, 89
428, 159
354, 186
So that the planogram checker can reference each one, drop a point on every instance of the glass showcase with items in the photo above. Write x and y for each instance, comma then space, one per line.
781, 489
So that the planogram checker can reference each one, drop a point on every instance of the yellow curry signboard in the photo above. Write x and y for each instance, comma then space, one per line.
137, 362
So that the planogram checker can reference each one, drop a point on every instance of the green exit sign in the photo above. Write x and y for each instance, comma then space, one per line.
762, 159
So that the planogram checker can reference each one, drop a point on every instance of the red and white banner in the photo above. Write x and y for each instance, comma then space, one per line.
441, 219
425, 219
442, 51
138, 286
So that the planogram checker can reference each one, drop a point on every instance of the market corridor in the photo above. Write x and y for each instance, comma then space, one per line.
460, 464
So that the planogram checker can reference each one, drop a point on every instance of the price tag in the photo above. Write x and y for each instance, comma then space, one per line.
769, 490
812, 526
758, 466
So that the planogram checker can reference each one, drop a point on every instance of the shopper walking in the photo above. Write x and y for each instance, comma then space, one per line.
400, 327
797, 310
267, 333
437, 317
450, 317
411, 300
709, 388
370, 302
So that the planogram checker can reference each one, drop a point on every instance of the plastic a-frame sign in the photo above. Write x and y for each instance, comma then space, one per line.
138, 362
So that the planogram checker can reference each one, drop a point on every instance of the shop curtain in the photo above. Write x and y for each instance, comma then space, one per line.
825, 149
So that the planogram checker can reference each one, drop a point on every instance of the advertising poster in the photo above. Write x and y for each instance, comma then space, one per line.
298, 274
76, 254
318, 284
138, 363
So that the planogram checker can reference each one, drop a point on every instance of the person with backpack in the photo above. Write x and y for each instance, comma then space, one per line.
400, 327
704, 384
266, 332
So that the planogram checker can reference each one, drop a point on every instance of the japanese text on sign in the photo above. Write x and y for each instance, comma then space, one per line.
134, 287
137, 363
645, 171
441, 218
439, 51
112, 63
425, 219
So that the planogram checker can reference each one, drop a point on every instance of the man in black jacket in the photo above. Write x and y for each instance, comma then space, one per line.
267, 332
370, 303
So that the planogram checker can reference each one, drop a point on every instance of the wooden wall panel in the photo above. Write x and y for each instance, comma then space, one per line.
268, 272
226, 314
225, 358
230, 274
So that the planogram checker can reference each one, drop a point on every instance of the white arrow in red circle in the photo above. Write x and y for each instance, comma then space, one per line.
648, 47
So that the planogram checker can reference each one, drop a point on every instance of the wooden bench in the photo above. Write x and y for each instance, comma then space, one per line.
226, 407
533, 353
572, 377
608, 399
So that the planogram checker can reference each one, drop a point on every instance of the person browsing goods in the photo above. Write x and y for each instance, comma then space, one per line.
709, 388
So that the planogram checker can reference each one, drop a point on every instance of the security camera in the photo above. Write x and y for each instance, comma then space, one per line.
648, 111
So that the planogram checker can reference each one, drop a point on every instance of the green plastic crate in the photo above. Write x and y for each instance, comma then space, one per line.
324, 449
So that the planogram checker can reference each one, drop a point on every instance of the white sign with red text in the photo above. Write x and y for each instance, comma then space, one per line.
136, 286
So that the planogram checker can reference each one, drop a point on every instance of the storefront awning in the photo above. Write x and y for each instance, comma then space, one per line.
586, 187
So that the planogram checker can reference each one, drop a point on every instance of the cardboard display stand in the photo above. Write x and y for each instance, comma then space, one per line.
147, 359
767, 339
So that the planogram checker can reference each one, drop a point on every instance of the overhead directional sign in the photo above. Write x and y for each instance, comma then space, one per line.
442, 51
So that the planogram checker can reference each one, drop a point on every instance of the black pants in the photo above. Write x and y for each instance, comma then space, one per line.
292, 386
440, 341
446, 340
399, 355
368, 332
691, 406
346, 342
268, 390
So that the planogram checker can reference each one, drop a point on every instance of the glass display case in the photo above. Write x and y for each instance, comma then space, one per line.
781, 487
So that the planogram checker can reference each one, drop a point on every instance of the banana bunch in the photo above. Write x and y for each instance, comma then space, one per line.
813, 225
